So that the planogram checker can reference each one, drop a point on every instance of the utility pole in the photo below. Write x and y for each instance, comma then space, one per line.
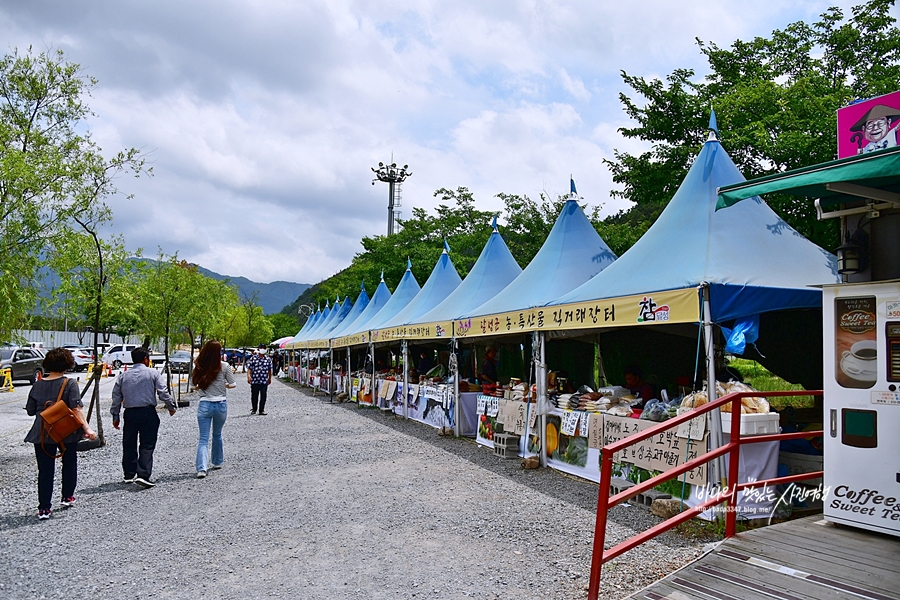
394, 176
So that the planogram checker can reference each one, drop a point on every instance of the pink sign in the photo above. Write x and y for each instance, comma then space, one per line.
868, 126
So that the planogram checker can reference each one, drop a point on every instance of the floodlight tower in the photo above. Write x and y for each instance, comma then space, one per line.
394, 176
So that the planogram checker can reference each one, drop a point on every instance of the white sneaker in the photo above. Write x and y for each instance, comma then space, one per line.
216, 467
201, 474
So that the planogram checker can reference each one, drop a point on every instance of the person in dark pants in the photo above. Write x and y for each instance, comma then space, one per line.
57, 362
259, 376
137, 389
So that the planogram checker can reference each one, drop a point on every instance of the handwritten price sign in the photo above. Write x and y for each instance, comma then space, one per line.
570, 421
662, 452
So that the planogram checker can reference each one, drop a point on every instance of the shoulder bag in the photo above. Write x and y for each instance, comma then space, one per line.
58, 421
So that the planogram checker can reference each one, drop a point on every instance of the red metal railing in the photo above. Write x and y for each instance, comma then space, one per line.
732, 448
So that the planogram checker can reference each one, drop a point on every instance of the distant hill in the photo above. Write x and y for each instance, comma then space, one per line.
272, 296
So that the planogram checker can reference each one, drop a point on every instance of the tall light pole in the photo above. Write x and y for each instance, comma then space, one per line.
394, 176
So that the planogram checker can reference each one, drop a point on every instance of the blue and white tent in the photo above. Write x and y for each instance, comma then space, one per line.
753, 261
494, 270
376, 303
406, 290
362, 301
442, 282
572, 253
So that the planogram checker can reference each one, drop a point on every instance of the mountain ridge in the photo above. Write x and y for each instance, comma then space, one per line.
272, 297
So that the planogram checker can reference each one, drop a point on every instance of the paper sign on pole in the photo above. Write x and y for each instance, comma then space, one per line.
504, 407
520, 419
584, 424
694, 429
595, 431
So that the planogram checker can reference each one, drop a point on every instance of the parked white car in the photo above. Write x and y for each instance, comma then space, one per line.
120, 354
83, 357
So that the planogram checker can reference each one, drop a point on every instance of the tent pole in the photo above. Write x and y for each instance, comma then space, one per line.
404, 346
542, 400
455, 373
711, 393
331, 381
529, 406
372, 391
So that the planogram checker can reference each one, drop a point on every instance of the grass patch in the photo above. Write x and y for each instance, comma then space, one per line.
760, 378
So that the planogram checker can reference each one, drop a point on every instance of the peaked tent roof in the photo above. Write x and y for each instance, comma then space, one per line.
379, 299
338, 316
362, 301
572, 253
754, 261
493, 271
406, 290
443, 281
327, 314
311, 323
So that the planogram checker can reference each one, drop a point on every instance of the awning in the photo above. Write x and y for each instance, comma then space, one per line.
875, 176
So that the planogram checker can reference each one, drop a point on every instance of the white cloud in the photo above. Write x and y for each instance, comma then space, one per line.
262, 119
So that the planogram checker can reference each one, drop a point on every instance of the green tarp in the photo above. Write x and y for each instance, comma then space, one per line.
878, 170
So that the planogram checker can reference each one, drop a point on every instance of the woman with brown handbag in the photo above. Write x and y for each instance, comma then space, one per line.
53, 388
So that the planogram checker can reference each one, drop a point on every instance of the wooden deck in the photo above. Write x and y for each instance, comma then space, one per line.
806, 559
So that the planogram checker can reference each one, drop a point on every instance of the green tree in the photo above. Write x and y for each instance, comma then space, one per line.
775, 99
420, 239
256, 328
283, 325
227, 327
207, 304
49, 169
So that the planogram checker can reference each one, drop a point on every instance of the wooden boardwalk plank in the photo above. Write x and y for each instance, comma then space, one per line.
816, 535
822, 565
792, 588
779, 546
798, 560
695, 583
819, 553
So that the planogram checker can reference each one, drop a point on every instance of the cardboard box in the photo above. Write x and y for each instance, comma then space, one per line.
754, 424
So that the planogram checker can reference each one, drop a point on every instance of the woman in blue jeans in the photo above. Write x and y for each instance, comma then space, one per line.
211, 377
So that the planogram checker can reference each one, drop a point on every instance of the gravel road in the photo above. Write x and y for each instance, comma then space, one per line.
316, 500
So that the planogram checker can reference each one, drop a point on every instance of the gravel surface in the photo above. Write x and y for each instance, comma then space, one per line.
316, 500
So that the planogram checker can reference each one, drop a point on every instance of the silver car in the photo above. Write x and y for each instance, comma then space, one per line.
25, 363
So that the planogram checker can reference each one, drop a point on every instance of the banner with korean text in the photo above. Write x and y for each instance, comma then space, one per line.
674, 306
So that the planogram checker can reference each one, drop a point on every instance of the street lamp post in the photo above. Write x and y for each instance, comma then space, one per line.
394, 176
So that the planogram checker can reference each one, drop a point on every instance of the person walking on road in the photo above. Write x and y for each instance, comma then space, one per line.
259, 376
137, 389
212, 377
44, 391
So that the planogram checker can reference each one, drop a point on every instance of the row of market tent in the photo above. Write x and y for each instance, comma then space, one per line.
696, 270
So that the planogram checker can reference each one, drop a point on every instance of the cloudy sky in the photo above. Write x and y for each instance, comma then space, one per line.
262, 118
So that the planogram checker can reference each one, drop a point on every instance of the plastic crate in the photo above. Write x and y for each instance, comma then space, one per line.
754, 424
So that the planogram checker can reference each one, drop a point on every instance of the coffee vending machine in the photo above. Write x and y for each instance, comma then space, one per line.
862, 404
